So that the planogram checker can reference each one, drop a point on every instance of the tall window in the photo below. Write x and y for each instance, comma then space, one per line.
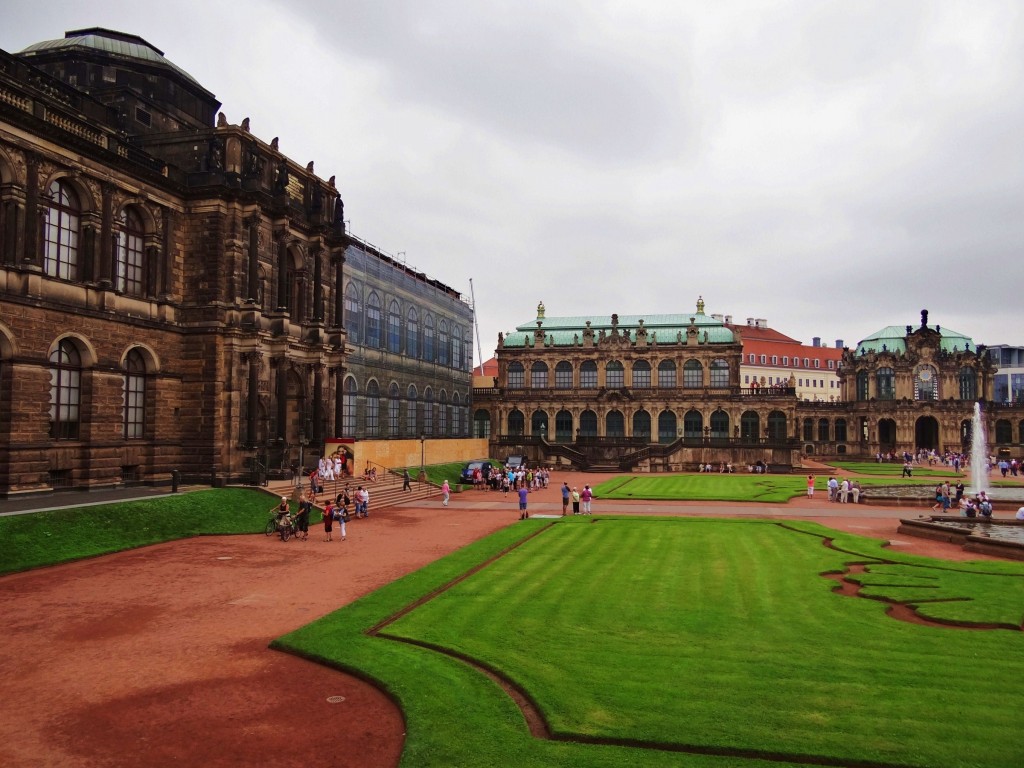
457, 420
968, 384
353, 314
693, 374
516, 376
615, 424
666, 427
563, 375
65, 391
372, 409
588, 424
393, 410
442, 413
456, 348
516, 422
885, 383
642, 424
443, 343
642, 377
394, 327
719, 424
809, 428
348, 407
614, 375
134, 395
128, 265
840, 429
693, 424
862, 388
60, 232
428, 411
823, 430
428, 339
373, 321
588, 375
412, 333
750, 425
719, 373
539, 375
563, 427
412, 428
666, 374
926, 383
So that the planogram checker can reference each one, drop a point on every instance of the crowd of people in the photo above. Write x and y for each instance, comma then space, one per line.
338, 510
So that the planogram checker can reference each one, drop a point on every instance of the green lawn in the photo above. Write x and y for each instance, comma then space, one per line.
680, 637
45, 538
776, 489
894, 469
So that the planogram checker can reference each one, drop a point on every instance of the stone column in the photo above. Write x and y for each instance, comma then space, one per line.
253, 400
318, 287
282, 268
338, 261
35, 214
252, 285
339, 400
104, 271
318, 402
281, 364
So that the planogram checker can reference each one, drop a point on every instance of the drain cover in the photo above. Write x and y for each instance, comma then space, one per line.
335, 699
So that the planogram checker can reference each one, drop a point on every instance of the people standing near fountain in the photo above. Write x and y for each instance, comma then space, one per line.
844, 491
937, 506
855, 491
833, 489
959, 492
945, 496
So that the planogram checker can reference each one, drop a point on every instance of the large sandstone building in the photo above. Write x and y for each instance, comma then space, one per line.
175, 291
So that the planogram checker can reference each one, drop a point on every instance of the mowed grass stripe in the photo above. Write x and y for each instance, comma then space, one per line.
728, 628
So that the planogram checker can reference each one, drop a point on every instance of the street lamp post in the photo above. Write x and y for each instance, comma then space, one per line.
423, 445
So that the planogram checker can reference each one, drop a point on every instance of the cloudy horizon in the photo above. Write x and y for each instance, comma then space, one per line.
832, 167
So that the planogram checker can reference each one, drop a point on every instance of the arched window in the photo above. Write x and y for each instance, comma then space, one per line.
456, 347
666, 375
394, 327
719, 422
693, 424
642, 423
372, 409
412, 333
563, 427
776, 426
588, 375
693, 374
457, 419
443, 343
516, 422
516, 376
60, 232
539, 424
588, 424
393, 410
481, 423
65, 391
862, 388
614, 375
442, 413
823, 430
885, 384
134, 395
809, 428
412, 426
293, 299
563, 375
667, 425
926, 383
429, 353
615, 424
719, 373
968, 384
348, 407
840, 430
641, 375
750, 425
1004, 432
428, 411
373, 321
130, 256
353, 314
539, 375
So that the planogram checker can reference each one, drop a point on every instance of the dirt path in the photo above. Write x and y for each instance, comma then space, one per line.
159, 656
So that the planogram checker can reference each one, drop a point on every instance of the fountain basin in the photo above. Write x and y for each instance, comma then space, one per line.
1001, 538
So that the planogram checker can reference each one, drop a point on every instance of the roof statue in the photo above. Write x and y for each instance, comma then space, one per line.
540, 310
700, 305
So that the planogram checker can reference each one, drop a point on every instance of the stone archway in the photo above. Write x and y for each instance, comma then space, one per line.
887, 434
926, 433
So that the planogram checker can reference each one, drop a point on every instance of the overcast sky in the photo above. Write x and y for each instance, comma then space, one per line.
833, 167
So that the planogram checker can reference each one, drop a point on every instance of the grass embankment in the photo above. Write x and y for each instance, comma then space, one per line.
711, 636
776, 489
57, 536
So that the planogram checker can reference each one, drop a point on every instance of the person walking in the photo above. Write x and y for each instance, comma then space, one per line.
364, 500
585, 497
565, 498
328, 520
575, 501
406, 480
446, 493
302, 517
810, 486
523, 492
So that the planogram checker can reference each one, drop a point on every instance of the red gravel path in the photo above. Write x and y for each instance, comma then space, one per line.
159, 656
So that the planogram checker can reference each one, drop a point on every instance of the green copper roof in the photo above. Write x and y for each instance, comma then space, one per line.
894, 339
115, 43
567, 331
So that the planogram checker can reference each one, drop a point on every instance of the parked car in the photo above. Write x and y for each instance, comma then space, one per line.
473, 466
515, 462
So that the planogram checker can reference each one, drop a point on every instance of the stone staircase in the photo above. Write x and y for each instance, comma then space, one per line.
385, 491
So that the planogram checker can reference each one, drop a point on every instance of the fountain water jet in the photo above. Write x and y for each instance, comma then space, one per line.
979, 453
